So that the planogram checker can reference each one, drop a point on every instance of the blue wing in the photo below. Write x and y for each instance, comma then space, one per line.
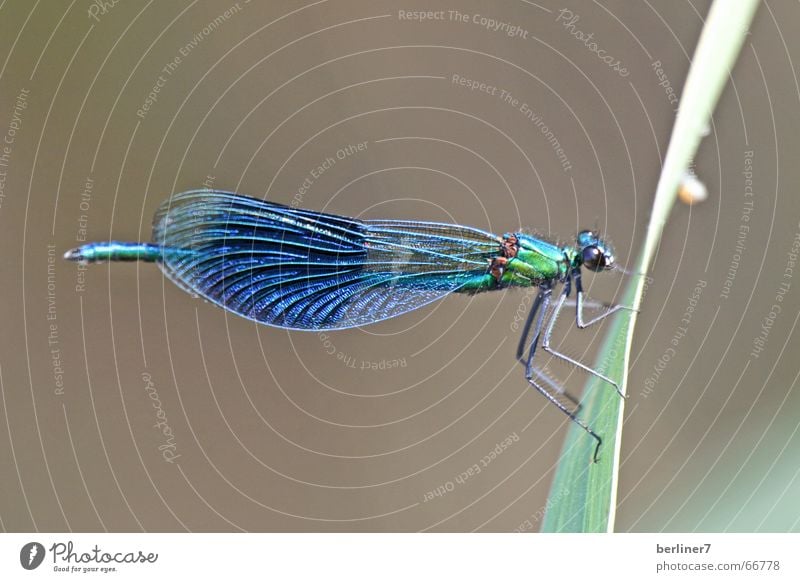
301, 269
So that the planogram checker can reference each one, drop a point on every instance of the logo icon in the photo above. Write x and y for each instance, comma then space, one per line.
31, 555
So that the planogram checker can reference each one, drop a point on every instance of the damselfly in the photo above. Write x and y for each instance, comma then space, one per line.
298, 269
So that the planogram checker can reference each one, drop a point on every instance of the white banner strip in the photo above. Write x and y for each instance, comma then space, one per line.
401, 557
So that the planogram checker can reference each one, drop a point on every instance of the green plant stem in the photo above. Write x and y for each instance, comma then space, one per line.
583, 494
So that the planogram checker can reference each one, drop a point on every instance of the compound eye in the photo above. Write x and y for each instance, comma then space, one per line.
593, 258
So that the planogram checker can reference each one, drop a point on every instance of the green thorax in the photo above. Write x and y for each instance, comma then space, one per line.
536, 262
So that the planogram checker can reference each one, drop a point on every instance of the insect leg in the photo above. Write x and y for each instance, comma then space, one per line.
549, 330
534, 376
580, 302
538, 313
523, 340
590, 303
545, 294
529, 376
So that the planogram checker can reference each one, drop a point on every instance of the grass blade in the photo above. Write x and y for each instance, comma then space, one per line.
583, 494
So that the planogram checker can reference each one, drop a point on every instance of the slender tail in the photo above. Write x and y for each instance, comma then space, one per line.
115, 251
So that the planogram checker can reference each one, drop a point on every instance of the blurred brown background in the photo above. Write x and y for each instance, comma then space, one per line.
268, 430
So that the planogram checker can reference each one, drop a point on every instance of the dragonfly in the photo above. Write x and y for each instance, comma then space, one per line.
299, 269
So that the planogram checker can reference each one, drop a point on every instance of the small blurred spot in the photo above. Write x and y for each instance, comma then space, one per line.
692, 190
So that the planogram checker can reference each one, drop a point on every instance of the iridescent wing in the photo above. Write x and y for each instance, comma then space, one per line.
301, 269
